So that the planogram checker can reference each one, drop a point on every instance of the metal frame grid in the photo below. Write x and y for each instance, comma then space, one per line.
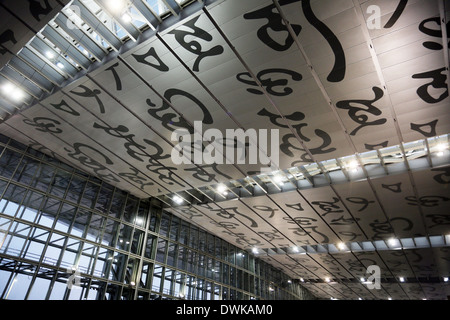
59, 225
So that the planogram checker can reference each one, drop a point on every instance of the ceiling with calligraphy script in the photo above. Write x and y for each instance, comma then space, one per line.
358, 91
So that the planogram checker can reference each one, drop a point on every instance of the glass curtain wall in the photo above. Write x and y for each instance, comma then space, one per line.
65, 235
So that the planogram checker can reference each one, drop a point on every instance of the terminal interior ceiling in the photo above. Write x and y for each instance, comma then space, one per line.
355, 91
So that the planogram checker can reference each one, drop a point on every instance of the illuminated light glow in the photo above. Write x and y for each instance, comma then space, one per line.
116, 6
126, 18
295, 249
255, 250
177, 199
16, 94
49, 55
327, 279
341, 246
392, 242
60, 65
353, 165
221, 188
7, 88
362, 279
389, 298
278, 179
445, 279
302, 280
401, 279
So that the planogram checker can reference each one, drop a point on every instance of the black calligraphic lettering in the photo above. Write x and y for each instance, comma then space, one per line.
63, 106
142, 58
338, 72
271, 235
6, 36
225, 224
328, 206
376, 146
37, 9
341, 221
395, 187
44, 124
380, 229
295, 206
135, 177
165, 174
194, 46
274, 25
397, 13
167, 119
433, 32
267, 209
224, 213
439, 82
269, 84
426, 201
357, 114
88, 93
85, 160
359, 200
442, 178
431, 126
350, 235
285, 146
116, 76
439, 219
201, 174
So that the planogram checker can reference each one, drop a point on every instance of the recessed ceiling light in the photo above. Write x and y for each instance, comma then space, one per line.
7, 88
295, 249
392, 242
60, 65
327, 279
278, 178
255, 250
445, 279
49, 54
389, 298
362, 279
353, 165
302, 280
13, 92
341, 246
221, 188
177, 199
116, 6
401, 279
126, 18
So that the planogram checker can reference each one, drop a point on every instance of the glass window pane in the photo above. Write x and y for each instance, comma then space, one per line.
39, 289
60, 183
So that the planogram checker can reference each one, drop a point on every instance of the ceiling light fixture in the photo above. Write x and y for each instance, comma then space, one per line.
302, 280
445, 279
327, 279
49, 54
353, 165
177, 199
341, 246
221, 188
116, 6
60, 65
278, 179
401, 279
126, 18
255, 250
